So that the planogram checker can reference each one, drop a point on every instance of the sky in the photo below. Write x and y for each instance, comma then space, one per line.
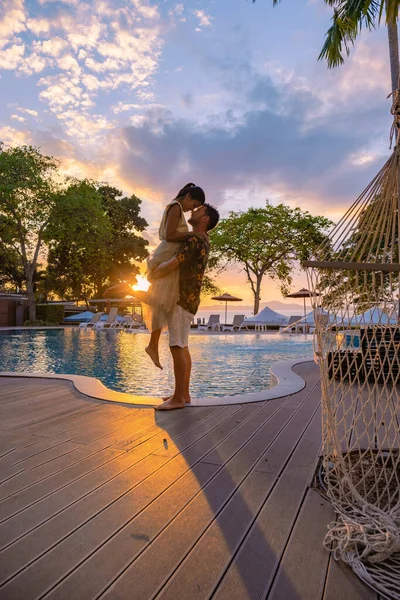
149, 95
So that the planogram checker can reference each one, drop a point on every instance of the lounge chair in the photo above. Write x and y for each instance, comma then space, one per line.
213, 324
129, 323
89, 324
111, 322
237, 324
293, 325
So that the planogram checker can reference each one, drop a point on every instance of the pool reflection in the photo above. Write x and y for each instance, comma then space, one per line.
222, 364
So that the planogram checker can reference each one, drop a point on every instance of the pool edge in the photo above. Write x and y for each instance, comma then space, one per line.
288, 382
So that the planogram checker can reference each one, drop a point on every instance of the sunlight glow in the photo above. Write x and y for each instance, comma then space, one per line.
142, 284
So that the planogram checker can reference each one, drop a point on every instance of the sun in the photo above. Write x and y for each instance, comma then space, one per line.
141, 284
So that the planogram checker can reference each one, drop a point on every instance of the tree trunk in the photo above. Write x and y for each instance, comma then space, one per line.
257, 297
31, 298
394, 54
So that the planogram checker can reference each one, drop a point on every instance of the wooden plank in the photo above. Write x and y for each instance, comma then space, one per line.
30, 477
351, 266
44, 450
154, 566
189, 473
302, 570
252, 572
43, 471
70, 485
230, 527
131, 502
341, 582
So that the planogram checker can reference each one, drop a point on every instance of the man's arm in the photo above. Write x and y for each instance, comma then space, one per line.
185, 254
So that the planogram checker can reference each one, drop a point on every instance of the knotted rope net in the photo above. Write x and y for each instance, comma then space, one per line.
354, 277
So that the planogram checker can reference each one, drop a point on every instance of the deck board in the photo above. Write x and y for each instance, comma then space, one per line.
100, 500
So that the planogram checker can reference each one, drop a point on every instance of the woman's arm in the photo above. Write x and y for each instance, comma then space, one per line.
173, 218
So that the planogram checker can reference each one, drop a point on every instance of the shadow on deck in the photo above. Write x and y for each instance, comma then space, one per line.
108, 501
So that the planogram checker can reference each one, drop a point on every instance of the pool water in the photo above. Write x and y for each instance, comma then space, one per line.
222, 364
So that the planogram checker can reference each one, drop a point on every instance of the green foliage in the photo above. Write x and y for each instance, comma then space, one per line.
267, 242
27, 193
209, 287
92, 240
50, 313
366, 244
38, 323
89, 232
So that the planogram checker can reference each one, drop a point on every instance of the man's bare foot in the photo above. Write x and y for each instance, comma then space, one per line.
187, 400
171, 404
153, 353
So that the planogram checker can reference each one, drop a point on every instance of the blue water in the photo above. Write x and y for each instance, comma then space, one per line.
222, 364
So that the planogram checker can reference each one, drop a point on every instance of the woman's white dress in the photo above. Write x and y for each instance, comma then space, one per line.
164, 292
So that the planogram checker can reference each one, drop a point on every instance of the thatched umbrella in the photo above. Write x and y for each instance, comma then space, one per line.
227, 298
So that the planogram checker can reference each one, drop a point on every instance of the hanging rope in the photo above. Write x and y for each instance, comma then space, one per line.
358, 345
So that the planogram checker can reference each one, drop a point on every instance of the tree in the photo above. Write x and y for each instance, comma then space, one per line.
27, 198
125, 247
77, 236
267, 242
92, 240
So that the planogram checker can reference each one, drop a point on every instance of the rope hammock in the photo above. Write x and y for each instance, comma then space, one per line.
357, 343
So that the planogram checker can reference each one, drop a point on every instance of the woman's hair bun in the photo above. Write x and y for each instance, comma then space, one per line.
195, 192
185, 189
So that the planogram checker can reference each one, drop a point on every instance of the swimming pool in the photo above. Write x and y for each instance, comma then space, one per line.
223, 364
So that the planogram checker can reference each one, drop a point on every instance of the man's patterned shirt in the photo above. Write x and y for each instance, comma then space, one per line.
192, 256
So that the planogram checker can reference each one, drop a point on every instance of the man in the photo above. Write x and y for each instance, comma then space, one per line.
191, 261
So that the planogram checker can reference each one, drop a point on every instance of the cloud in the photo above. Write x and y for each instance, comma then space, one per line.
53, 46
28, 111
11, 58
203, 17
38, 26
14, 137
12, 20
18, 118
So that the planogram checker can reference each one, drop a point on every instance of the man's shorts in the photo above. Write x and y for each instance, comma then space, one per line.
179, 321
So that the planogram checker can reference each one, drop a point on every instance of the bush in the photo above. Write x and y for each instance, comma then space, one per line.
39, 323
52, 314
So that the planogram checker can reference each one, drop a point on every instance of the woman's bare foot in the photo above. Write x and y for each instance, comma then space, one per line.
153, 353
171, 404
187, 400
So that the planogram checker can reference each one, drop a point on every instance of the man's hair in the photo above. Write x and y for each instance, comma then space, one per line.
213, 216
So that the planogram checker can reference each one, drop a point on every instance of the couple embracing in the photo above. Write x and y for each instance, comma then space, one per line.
175, 270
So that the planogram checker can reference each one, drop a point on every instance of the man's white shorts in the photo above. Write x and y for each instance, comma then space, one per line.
179, 321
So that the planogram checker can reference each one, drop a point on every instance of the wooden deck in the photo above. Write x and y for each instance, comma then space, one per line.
107, 501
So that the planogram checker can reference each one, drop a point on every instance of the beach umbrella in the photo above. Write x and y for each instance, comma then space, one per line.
81, 317
227, 298
303, 293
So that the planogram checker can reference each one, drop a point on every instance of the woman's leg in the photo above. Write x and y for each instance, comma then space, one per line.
152, 348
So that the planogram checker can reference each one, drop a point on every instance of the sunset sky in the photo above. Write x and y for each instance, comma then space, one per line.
149, 95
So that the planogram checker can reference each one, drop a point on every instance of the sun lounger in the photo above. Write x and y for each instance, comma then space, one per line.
293, 325
213, 324
111, 322
237, 324
89, 324
129, 323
